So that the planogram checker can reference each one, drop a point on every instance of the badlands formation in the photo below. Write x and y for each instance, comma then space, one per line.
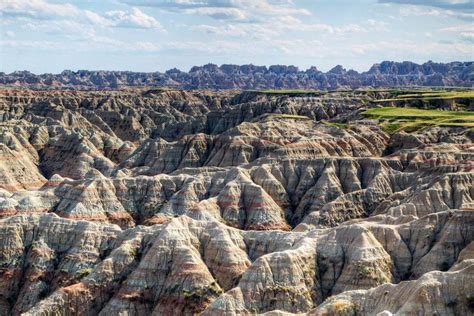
169, 202
211, 76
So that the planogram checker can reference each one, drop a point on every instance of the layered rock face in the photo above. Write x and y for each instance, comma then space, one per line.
149, 202
210, 76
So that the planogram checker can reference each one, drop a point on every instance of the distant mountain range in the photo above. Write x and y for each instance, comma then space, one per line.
210, 76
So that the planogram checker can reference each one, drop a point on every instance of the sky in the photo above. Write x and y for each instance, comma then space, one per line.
48, 36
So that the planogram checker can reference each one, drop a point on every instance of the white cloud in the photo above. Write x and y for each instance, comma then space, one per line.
468, 37
209, 47
265, 7
459, 28
41, 9
219, 13
278, 26
44, 10
94, 43
31, 44
301, 48
422, 11
238, 30
376, 25
465, 32
226, 9
414, 48
457, 5
134, 19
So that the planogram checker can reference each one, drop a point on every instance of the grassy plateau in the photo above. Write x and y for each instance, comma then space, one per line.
395, 119
461, 95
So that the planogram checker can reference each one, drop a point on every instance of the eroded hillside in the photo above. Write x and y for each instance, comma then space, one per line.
167, 202
228, 76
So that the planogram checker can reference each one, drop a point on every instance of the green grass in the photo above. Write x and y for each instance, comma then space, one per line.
394, 112
427, 95
84, 272
393, 119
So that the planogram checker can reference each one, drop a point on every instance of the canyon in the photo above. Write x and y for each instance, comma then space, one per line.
164, 201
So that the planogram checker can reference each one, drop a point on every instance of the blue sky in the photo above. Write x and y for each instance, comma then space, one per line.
156, 35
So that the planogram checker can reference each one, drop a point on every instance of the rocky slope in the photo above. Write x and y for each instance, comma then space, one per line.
150, 202
385, 74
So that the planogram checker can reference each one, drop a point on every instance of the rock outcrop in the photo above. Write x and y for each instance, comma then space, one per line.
210, 76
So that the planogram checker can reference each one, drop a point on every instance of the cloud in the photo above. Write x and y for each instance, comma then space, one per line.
225, 9
301, 48
467, 37
47, 45
219, 13
460, 9
419, 11
278, 26
44, 10
238, 30
56, 28
290, 23
209, 47
426, 50
40, 9
459, 5
465, 31
459, 28
134, 19
376, 25
94, 43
